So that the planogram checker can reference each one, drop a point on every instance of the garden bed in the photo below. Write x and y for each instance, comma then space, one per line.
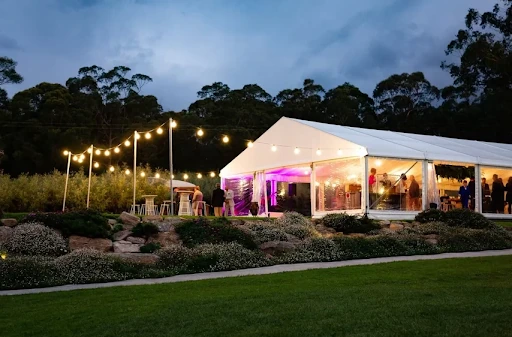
85, 247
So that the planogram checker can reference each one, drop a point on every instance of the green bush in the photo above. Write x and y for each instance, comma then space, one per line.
265, 232
19, 272
431, 215
464, 218
296, 224
117, 228
150, 247
348, 224
86, 223
202, 231
144, 229
36, 239
225, 256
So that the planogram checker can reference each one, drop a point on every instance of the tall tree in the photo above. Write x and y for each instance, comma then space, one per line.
302, 103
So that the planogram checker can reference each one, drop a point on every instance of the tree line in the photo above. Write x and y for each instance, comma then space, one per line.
104, 106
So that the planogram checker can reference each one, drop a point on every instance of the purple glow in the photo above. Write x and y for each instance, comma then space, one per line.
273, 192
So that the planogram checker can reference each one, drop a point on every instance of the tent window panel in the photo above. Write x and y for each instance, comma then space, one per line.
338, 185
496, 186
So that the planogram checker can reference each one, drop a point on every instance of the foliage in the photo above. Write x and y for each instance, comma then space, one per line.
117, 228
18, 272
225, 256
296, 224
430, 215
348, 223
174, 257
36, 239
88, 223
265, 232
465, 218
455, 172
201, 231
145, 229
150, 247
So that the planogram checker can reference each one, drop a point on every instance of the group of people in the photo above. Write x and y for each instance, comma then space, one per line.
220, 198
409, 194
498, 193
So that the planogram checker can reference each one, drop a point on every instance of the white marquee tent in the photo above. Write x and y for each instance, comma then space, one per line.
302, 145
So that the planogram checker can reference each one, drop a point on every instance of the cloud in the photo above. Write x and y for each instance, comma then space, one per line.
184, 45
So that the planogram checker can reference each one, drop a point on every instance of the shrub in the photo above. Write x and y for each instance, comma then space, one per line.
324, 249
88, 266
150, 247
174, 257
293, 218
19, 272
464, 218
431, 228
145, 229
431, 215
201, 231
349, 224
225, 256
86, 223
36, 239
117, 228
263, 232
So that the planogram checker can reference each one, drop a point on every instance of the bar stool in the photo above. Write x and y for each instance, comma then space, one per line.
196, 211
134, 209
142, 209
165, 207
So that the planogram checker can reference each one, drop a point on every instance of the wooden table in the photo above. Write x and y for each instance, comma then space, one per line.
149, 207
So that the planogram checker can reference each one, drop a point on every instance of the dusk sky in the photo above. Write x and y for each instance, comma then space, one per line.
185, 44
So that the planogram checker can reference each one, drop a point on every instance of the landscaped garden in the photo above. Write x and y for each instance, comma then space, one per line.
49, 249
455, 297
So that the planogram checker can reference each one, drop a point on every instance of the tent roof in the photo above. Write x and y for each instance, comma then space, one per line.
335, 141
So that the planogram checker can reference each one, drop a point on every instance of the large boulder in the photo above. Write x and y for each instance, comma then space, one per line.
126, 247
136, 240
277, 247
129, 219
5, 234
9, 222
137, 257
121, 235
152, 218
78, 242
165, 239
384, 223
396, 227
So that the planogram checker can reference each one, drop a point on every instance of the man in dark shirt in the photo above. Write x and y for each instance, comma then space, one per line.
217, 200
414, 195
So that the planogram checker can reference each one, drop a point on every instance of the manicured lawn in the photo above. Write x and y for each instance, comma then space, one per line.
459, 297
504, 223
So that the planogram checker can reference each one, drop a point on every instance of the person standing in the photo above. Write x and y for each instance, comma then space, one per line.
508, 189
217, 200
414, 195
229, 202
403, 192
464, 194
497, 195
197, 201
372, 187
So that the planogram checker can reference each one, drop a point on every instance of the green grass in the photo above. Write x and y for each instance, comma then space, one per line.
504, 223
458, 297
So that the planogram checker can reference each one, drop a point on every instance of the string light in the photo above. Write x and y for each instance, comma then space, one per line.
137, 136
225, 139
296, 150
147, 135
173, 124
318, 152
82, 156
185, 176
111, 169
142, 174
127, 172
80, 161
117, 150
106, 153
127, 143
96, 164
89, 150
98, 152
200, 132
273, 148
199, 176
212, 174
75, 158
250, 144
340, 152
172, 176
159, 131
66, 152
157, 176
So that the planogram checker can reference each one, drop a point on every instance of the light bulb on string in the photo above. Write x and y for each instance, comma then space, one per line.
137, 136
106, 153
273, 148
159, 131
142, 174
157, 175
318, 152
212, 174
250, 144
80, 161
200, 132
117, 150
185, 176
66, 152
98, 152
127, 143
172, 176
225, 139
199, 176
111, 169
82, 156
340, 152
296, 150
96, 164
127, 172
75, 158
173, 124
147, 135
89, 150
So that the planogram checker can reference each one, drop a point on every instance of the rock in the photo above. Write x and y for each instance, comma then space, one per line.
137, 257
9, 222
357, 235
5, 234
407, 224
121, 235
431, 236
384, 223
129, 219
136, 240
78, 242
165, 227
416, 223
165, 239
112, 222
126, 247
432, 241
324, 230
237, 222
293, 239
152, 218
277, 247
396, 227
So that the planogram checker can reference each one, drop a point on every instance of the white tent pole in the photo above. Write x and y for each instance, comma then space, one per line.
365, 200
66, 185
478, 189
312, 189
265, 193
90, 173
170, 165
134, 166
424, 188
